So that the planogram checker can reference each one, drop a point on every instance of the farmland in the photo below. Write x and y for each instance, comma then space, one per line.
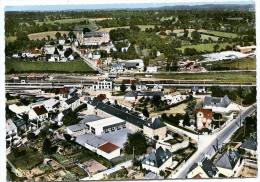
216, 77
13, 66
205, 47
41, 35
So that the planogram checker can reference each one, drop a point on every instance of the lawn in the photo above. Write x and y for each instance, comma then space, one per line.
41, 35
10, 39
222, 34
204, 47
15, 66
242, 64
142, 27
25, 158
217, 77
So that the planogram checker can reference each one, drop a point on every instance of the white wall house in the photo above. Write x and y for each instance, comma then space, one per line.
38, 113
106, 125
72, 103
103, 85
151, 69
77, 129
108, 150
204, 118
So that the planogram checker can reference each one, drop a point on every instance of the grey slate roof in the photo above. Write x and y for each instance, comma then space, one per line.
77, 127
158, 157
72, 100
120, 114
152, 175
228, 160
155, 124
209, 168
131, 94
90, 139
151, 94
90, 118
250, 143
216, 101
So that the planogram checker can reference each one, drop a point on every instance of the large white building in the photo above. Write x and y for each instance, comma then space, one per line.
93, 38
103, 85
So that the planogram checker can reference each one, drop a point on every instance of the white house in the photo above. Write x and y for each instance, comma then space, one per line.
151, 69
77, 129
72, 103
131, 96
38, 113
19, 109
51, 104
105, 125
103, 85
108, 150
157, 161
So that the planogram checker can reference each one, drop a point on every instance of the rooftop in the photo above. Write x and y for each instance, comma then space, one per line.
72, 100
90, 139
207, 113
250, 143
120, 114
108, 147
228, 160
155, 123
40, 110
101, 123
216, 101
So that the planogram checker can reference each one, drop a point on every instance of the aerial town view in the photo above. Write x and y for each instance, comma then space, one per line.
127, 92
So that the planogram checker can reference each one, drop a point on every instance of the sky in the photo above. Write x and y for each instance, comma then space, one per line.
111, 4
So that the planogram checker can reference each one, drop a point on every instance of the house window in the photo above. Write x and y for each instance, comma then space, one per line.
113, 129
93, 130
124, 126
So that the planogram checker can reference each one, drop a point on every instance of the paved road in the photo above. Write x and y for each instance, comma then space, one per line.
209, 144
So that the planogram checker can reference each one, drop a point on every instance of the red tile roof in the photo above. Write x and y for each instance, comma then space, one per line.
207, 113
39, 110
108, 147
198, 176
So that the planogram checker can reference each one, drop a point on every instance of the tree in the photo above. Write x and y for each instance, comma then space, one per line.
122, 87
68, 52
185, 33
58, 35
30, 136
186, 120
72, 35
133, 87
46, 147
145, 112
162, 173
216, 47
195, 35
70, 118
136, 143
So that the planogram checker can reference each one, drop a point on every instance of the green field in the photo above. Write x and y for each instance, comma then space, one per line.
70, 20
217, 77
204, 47
15, 66
41, 35
25, 158
242, 64
223, 34
10, 39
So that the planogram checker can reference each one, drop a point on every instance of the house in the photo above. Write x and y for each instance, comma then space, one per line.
93, 38
151, 69
157, 161
11, 129
117, 68
174, 99
108, 150
222, 105
99, 145
131, 96
72, 103
204, 118
38, 113
103, 85
19, 110
229, 163
250, 146
62, 114
246, 49
135, 64
198, 90
62, 93
77, 129
155, 129
105, 125
203, 169
152, 176
133, 122
51, 104
150, 94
